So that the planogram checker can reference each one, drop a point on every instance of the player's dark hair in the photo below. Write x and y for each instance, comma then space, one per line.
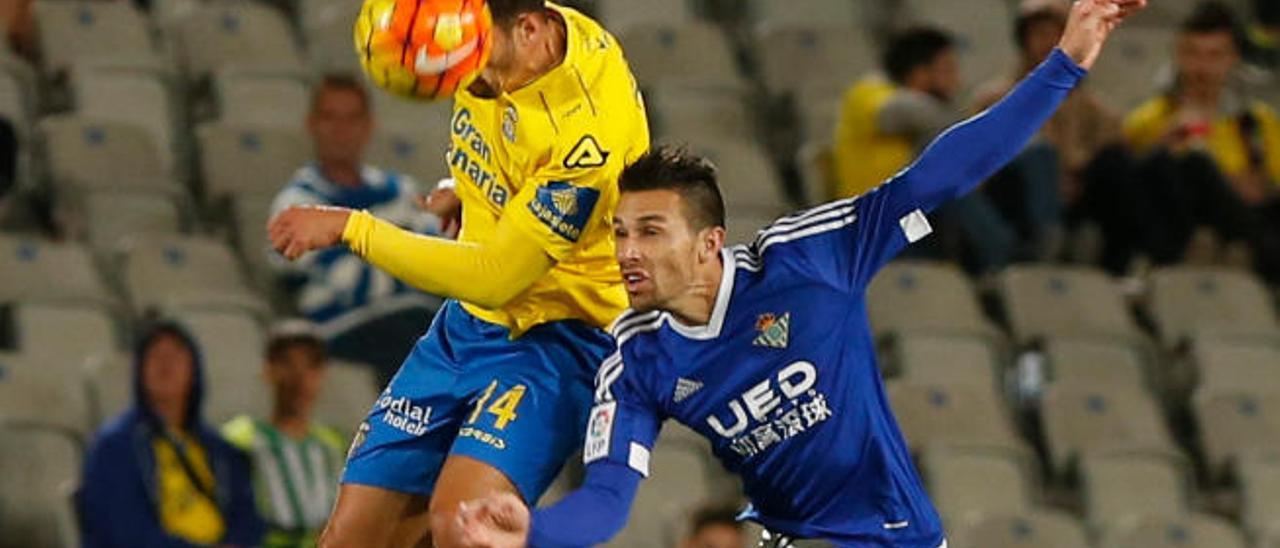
1027, 21
339, 82
1267, 12
713, 514
667, 167
280, 343
912, 48
504, 12
1214, 17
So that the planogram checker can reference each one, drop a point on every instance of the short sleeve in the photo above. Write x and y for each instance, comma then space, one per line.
624, 422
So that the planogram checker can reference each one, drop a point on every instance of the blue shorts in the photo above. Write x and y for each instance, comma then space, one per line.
468, 389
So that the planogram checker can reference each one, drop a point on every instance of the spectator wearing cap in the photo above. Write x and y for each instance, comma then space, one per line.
296, 461
1212, 155
158, 475
714, 526
365, 315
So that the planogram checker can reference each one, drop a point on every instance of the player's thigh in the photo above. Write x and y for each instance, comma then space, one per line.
464, 479
367, 516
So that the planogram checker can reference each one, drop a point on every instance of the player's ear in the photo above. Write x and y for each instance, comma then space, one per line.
712, 242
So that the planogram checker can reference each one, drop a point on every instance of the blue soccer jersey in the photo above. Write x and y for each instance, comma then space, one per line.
783, 379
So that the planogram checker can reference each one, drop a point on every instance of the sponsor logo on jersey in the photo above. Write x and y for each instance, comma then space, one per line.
469, 156
586, 154
774, 331
774, 410
509, 119
564, 208
686, 388
599, 432
401, 414
362, 434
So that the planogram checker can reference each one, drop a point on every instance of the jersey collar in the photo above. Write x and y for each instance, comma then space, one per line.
712, 329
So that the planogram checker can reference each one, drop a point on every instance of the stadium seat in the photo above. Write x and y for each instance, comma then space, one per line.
42, 330
1090, 362
679, 479
110, 381
41, 467
618, 15
743, 228
983, 30
680, 113
250, 213
103, 154
34, 393
1048, 301
968, 485
1191, 531
38, 270
1119, 487
419, 154
326, 30
952, 360
171, 273
105, 217
1035, 529
133, 97
1260, 493
16, 104
695, 55
747, 178
795, 57
232, 345
1233, 425
818, 107
935, 414
1078, 420
1187, 302
262, 100
1135, 66
931, 297
789, 13
815, 166
1240, 366
75, 31
236, 159
350, 390
400, 115
220, 35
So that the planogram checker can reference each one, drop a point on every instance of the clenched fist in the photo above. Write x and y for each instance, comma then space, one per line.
300, 229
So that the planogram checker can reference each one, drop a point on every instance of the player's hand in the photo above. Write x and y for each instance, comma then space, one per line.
443, 202
1089, 25
500, 521
300, 229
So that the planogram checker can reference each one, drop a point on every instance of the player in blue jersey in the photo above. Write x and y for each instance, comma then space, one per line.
765, 349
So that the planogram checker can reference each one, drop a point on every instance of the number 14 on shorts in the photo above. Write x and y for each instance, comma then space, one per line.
503, 407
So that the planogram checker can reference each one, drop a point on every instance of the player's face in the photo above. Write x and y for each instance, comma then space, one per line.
1205, 60
340, 127
716, 536
1042, 37
656, 247
296, 379
167, 371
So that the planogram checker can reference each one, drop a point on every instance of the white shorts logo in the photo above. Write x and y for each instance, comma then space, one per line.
599, 432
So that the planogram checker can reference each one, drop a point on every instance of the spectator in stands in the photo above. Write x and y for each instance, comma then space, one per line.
364, 314
1212, 156
884, 122
1263, 46
715, 526
296, 462
1077, 170
158, 475
19, 27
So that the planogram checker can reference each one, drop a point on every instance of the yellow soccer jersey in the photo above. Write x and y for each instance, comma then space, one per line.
550, 154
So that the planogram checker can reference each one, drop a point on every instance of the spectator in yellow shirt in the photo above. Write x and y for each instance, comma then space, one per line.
1212, 153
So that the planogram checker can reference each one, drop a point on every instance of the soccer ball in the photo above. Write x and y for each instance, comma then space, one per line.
423, 49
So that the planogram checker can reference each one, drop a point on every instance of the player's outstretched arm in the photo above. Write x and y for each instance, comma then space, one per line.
970, 152
487, 275
589, 516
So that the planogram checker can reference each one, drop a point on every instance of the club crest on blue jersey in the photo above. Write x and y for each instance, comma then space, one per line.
564, 208
774, 330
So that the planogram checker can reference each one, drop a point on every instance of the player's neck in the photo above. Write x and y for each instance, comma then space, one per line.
294, 425
341, 174
532, 62
698, 303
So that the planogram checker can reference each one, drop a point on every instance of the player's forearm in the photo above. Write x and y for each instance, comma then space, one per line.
488, 275
591, 515
970, 152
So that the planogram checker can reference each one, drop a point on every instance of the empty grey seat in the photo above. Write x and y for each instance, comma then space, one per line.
1188, 302
794, 57
1035, 529
921, 296
221, 35
44, 271
173, 273
42, 329
621, 14
685, 114
32, 393
1233, 425
76, 30
136, 98
41, 469
237, 159
1196, 530
103, 154
696, 55
1090, 362
941, 415
1260, 493
1241, 366
255, 99
969, 485
1048, 301
954, 360
747, 178
1078, 420
1120, 487
419, 154
350, 390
